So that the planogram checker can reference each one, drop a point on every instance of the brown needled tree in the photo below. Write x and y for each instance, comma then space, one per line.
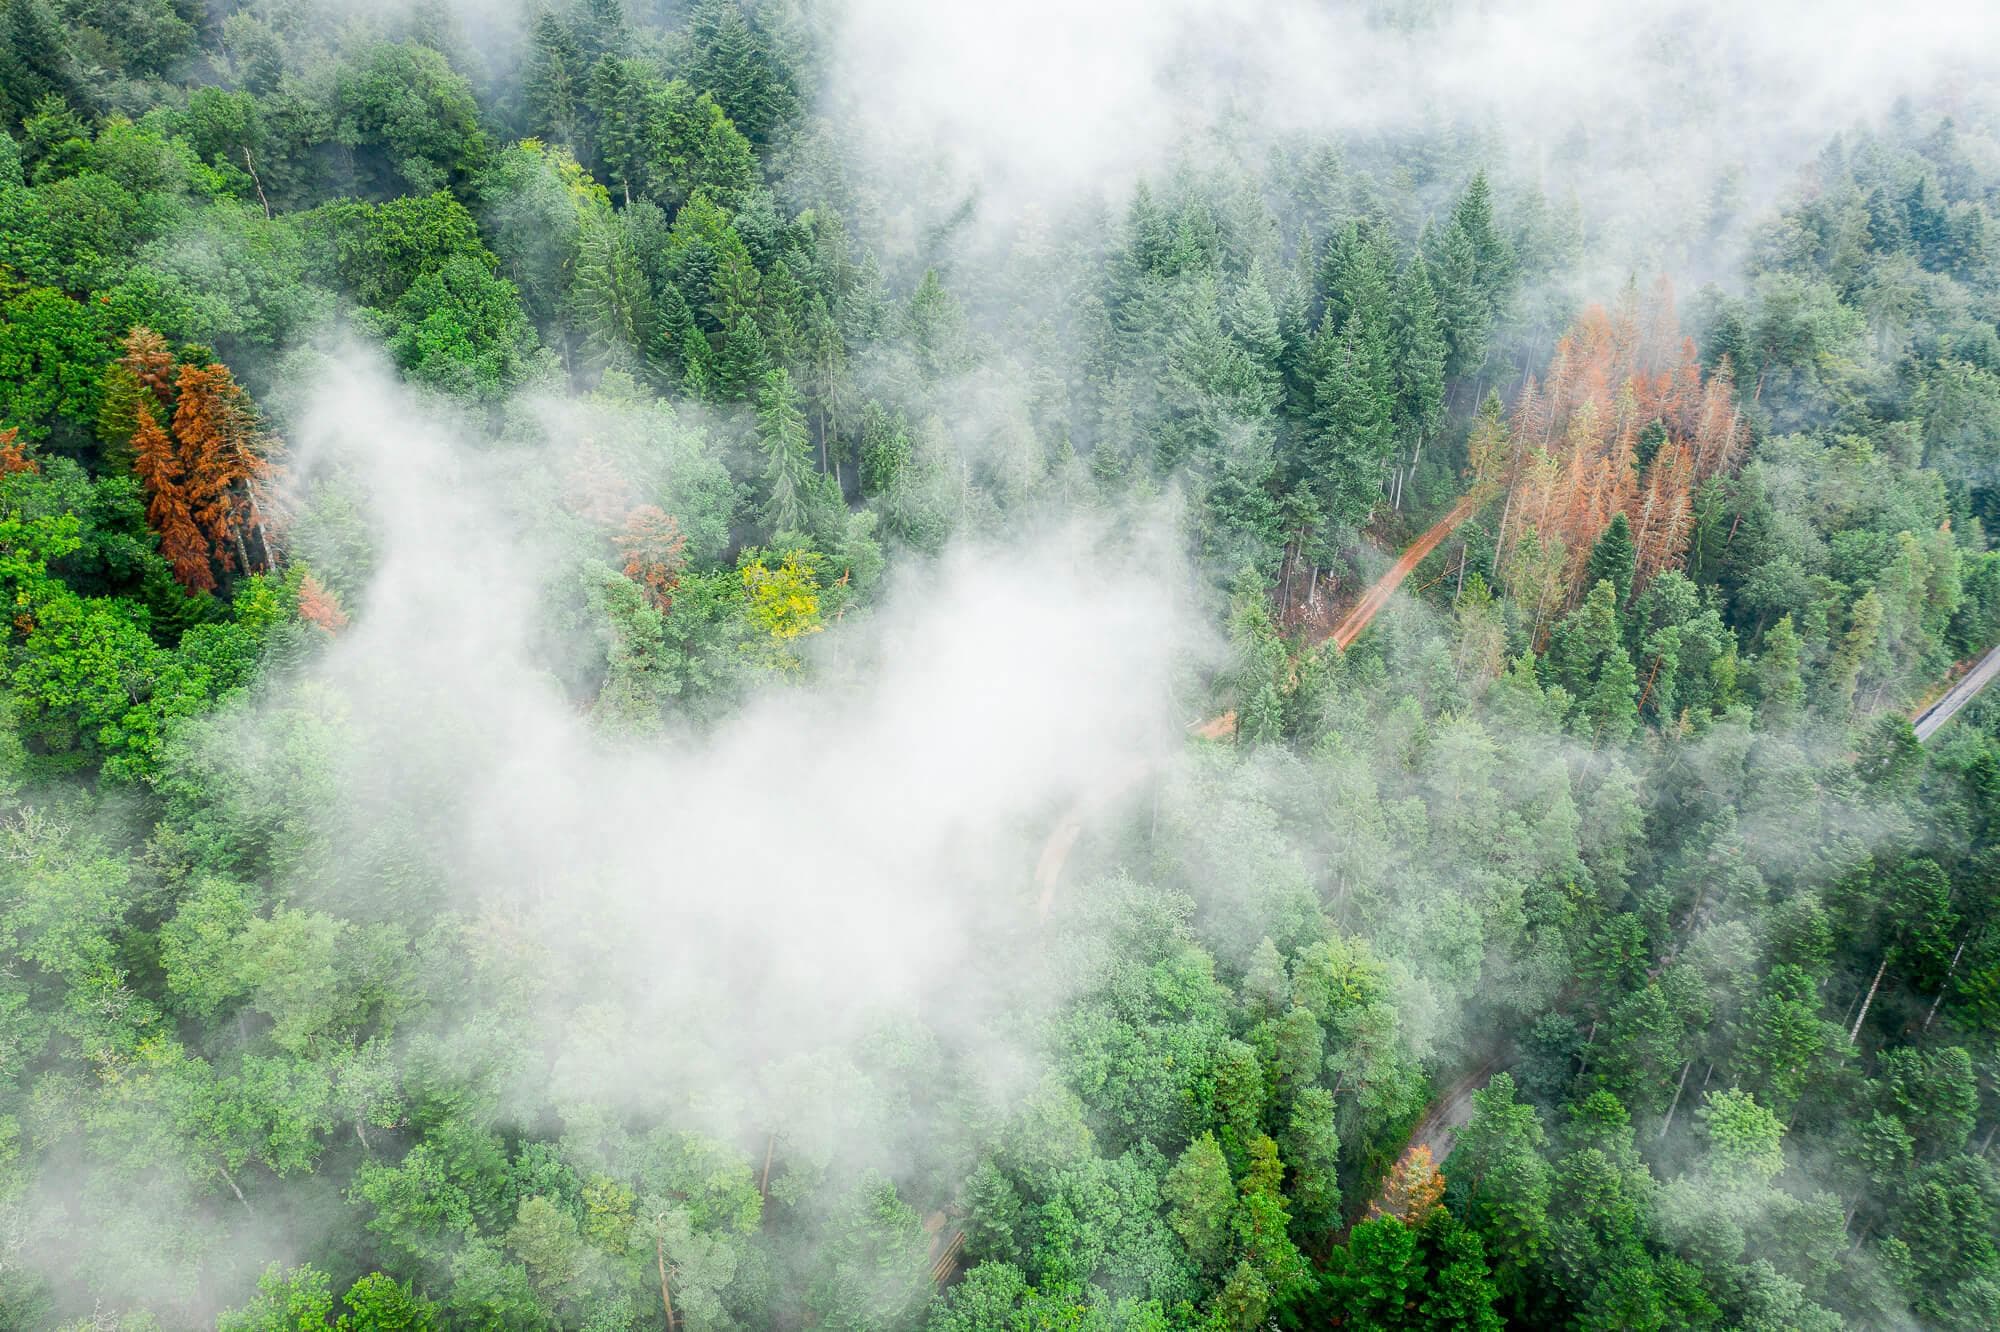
654, 552
158, 465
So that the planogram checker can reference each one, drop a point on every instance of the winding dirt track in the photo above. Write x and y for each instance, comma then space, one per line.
1385, 587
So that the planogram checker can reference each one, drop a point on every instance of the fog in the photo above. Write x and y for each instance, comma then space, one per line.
700, 924
1673, 121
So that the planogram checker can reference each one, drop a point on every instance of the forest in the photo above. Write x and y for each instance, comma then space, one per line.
694, 665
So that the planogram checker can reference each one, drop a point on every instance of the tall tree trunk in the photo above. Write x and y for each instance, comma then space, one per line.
1932, 1015
1875, 985
230, 1180
660, 1252
1291, 558
1679, 1087
1500, 535
252, 169
764, 1180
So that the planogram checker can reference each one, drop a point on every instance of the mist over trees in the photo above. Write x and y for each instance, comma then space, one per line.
673, 665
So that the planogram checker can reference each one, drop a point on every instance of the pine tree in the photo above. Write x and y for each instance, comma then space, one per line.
1357, 278
122, 403
1613, 559
157, 464
1351, 436
624, 100
609, 291
1493, 257
36, 60
734, 61
1412, 1190
654, 553
1417, 333
318, 605
825, 356
148, 361
600, 28
1780, 687
696, 356
1589, 657
1462, 309
667, 334
222, 459
741, 360
937, 326
789, 478
557, 75
885, 450
1843, 672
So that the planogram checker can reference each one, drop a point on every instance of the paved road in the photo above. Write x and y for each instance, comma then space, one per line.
1958, 696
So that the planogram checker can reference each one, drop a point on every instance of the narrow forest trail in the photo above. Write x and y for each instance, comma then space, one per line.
1450, 1112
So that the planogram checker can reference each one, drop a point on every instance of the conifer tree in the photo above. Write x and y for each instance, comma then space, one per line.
1613, 559
622, 98
1780, 690
1462, 308
788, 472
557, 76
157, 464
742, 359
1493, 257
654, 553
318, 605
1417, 337
223, 463
1351, 436
148, 361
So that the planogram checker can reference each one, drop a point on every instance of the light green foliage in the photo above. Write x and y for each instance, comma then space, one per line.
1200, 1197
1743, 1135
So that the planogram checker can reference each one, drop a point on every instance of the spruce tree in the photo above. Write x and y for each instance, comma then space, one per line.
1462, 308
1780, 688
789, 478
1614, 559
1417, 331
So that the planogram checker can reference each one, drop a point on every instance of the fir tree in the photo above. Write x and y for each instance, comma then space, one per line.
789, 478
1417, 331
1613, 559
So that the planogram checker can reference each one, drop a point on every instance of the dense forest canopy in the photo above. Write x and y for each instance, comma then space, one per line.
711, 664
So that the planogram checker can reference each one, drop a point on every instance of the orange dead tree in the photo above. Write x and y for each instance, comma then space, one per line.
158, 465
207, 478
12, 458
1624, 421
223, 451
1411, 1192
654, 552
147, 357
318, 605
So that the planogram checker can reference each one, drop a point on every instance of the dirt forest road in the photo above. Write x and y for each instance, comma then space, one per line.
1450, 1112
1385, 587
